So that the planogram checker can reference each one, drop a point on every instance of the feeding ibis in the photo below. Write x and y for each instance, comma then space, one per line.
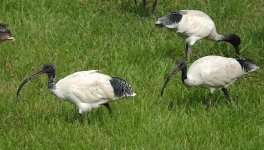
85, 89
194, 25
144, 4
5, 34
212, 72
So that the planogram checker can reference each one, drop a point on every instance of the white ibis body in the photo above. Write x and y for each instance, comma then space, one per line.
194, 25
85, 89
212, 72
5, 34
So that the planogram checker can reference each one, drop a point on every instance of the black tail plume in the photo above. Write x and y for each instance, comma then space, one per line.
247, 64
121, 87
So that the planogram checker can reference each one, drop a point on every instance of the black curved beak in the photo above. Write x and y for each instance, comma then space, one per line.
174, 71
34, 74
159, 25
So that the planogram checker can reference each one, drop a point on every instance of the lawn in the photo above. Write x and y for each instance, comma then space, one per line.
111, 36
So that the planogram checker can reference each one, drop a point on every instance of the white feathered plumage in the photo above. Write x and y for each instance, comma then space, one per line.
194, 25
85, 89
212, 72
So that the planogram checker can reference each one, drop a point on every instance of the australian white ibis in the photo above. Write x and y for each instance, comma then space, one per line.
144, 4
194, 25
212, 72
85, 89
5, 34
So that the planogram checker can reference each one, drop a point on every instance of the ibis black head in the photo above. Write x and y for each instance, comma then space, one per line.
179, 65
5, 34
234, 40
47, 68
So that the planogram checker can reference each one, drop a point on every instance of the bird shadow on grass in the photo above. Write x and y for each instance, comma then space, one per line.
197, 99
96, 116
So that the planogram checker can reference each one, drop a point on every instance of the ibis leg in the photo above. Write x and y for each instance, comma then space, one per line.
188, 52
154, 5
208, 101
225, 91
108, 107
144, 3
80, 117
136, 6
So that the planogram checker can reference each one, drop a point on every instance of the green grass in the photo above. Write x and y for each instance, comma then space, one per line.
110, 36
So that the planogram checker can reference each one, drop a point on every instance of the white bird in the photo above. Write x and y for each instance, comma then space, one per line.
212, 72
85, 89
5, 34
194, 25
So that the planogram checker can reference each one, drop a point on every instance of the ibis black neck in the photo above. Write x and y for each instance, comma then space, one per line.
51, 80
234, 40
184, 72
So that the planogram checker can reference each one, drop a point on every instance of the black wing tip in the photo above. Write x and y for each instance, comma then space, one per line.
247, 64
245, 60
121, 87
